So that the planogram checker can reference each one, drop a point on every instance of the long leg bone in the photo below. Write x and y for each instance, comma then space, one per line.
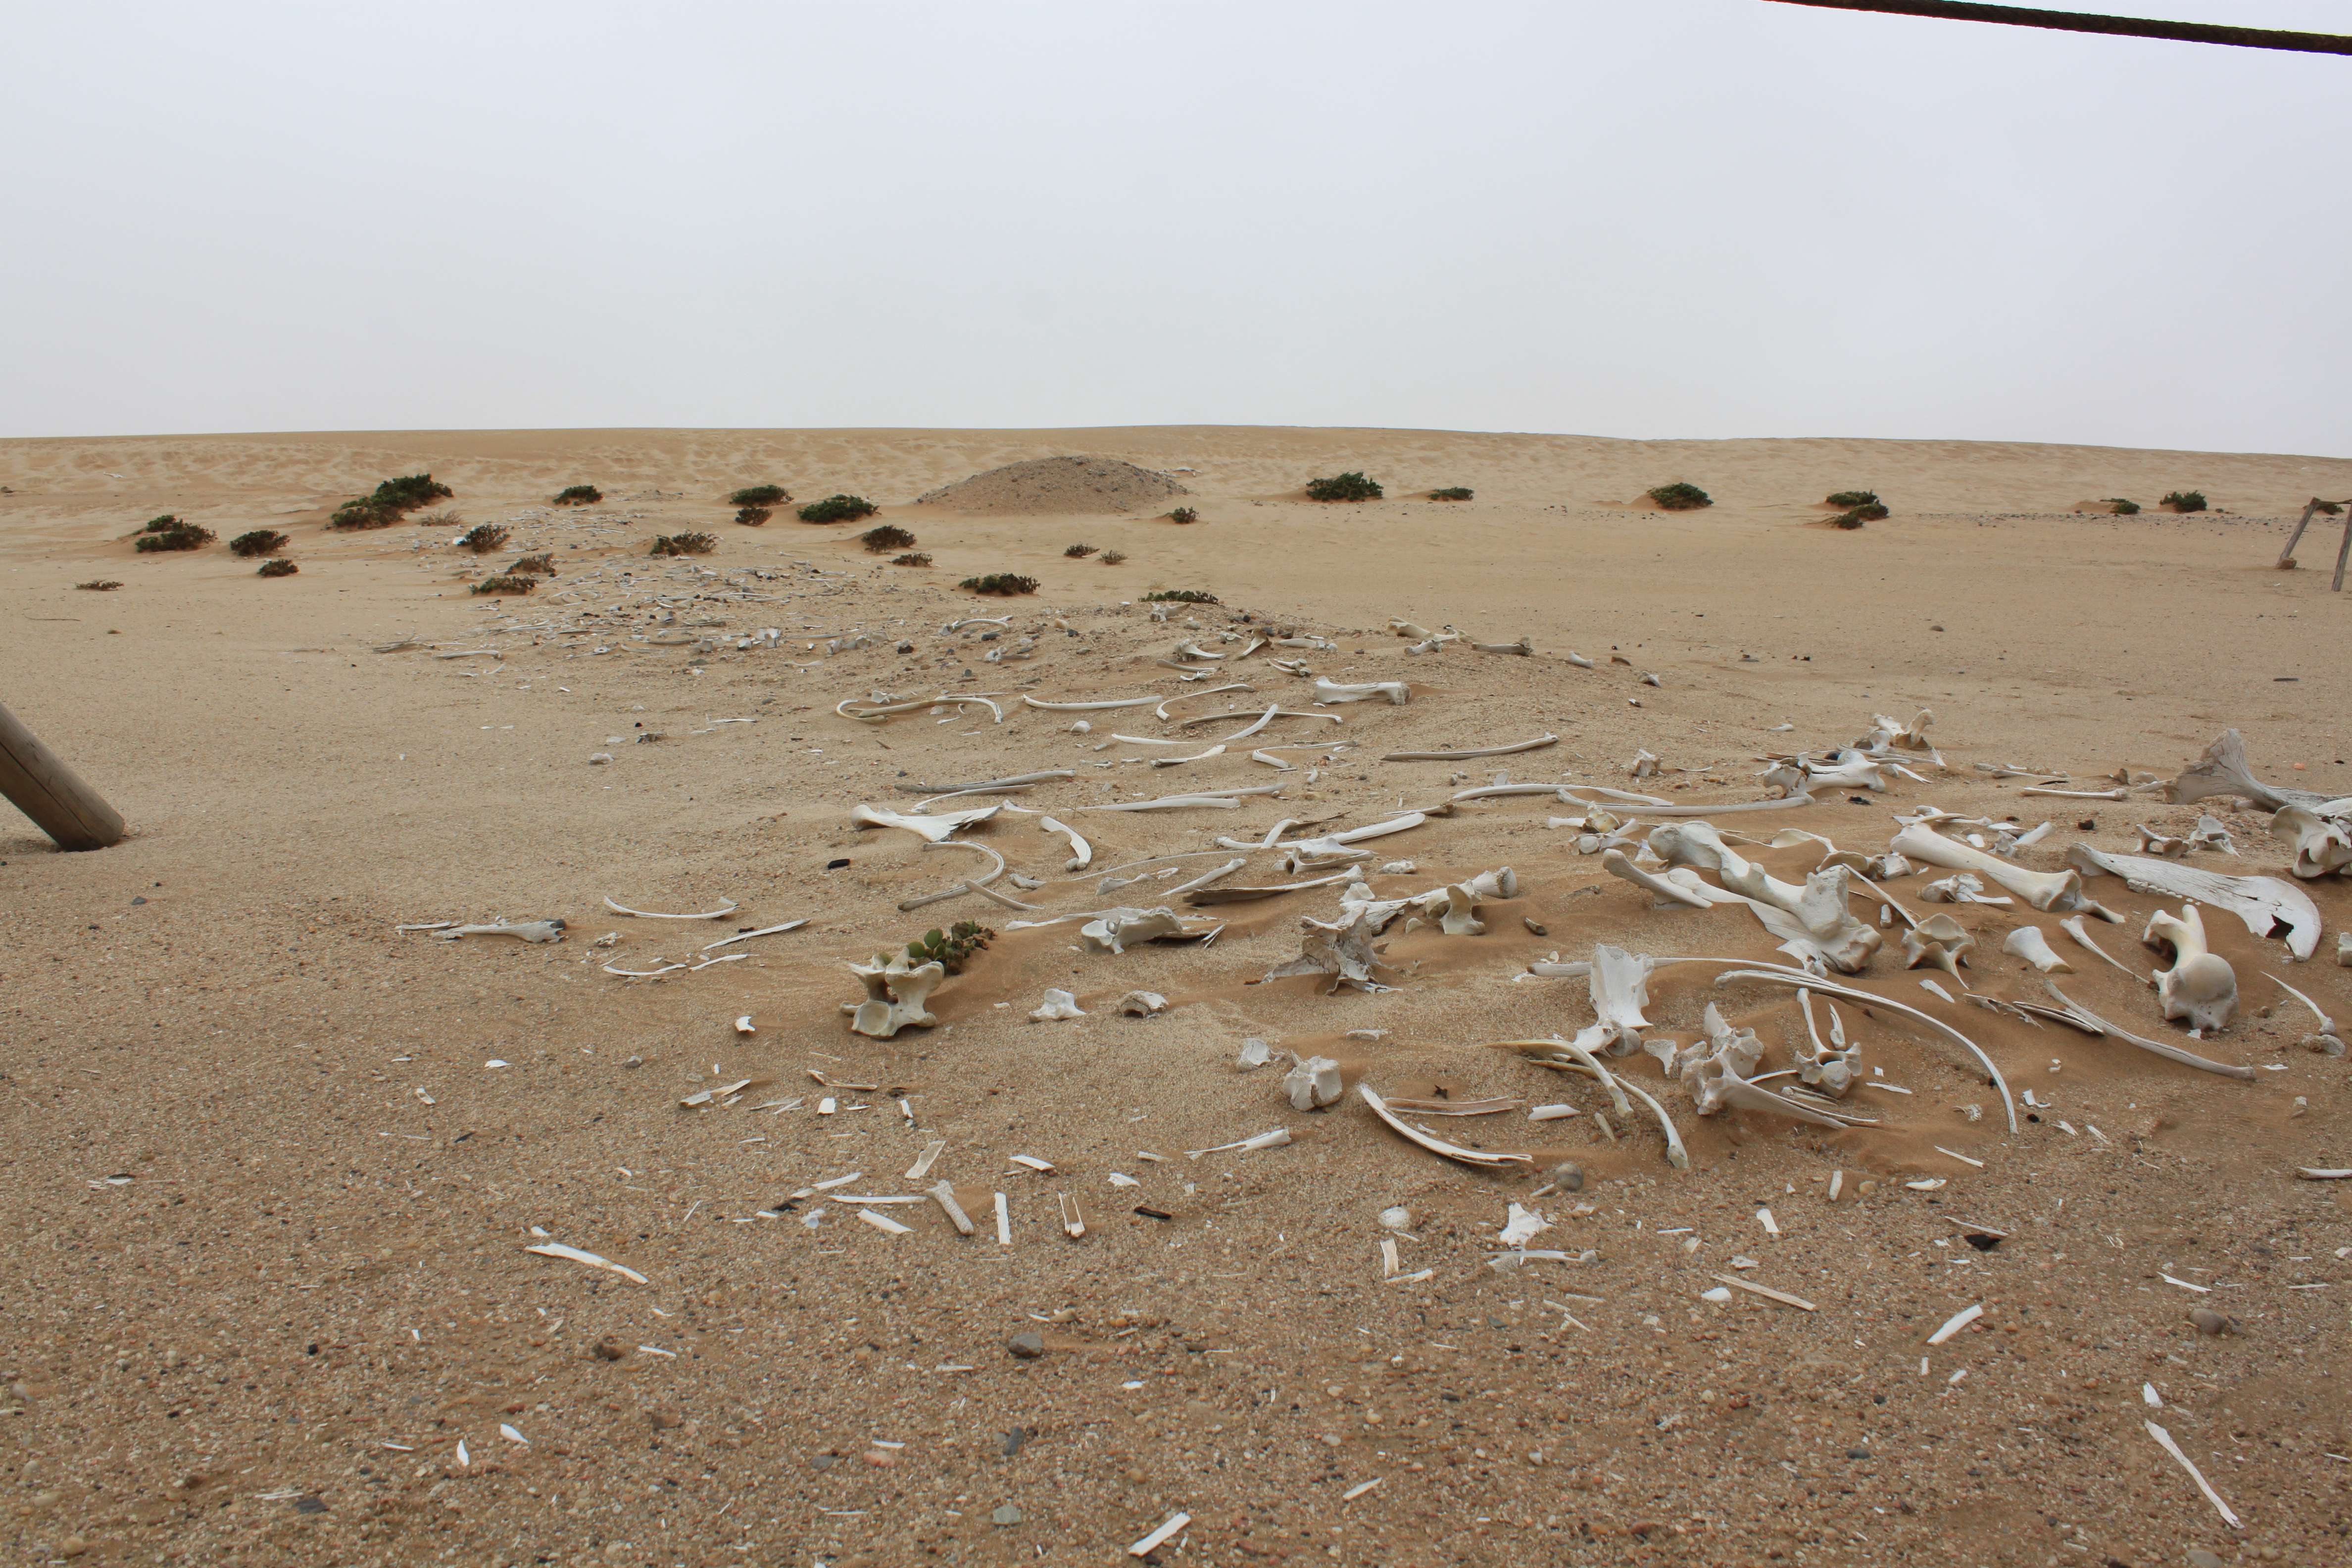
1329, 691
2042, 890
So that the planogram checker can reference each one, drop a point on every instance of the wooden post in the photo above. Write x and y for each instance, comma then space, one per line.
52, 794
2342, 551
2286, 556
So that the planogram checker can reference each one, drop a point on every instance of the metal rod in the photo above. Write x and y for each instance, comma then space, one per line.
2080, 22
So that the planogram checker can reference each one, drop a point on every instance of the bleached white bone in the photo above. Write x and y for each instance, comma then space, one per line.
1081, 853
1940, 942
1523, 647
1312, 1081
1616, 863
522, 931
1541, 741
1643, 765
2083, 1018
1195, 757
2209, 834
651, 915
1435, 644
2042, 890
2326, 1024
1142, 1004
1719, 1077
897, 991
1566, 1057
2081, 793
1345, 951
1620, 986
1660, 808
1481, 1158
1121, 928
1457, 917
1213, 691
2151, 842
1405, 628
2222, 770
2073, 926
932, 829
1855, 773
1963, 888
940, 791
1101, 707
2028, 943
1058, 1005
1329, 690
1832, 1068
2200, 986
1777, 975
1187, 650
1330, 843
2323, 845
1263, 719
1205, 878
2262, 902
1223, 800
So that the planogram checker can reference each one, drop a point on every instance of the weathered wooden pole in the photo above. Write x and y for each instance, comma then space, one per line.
2342, 551
51, 794
2286, 556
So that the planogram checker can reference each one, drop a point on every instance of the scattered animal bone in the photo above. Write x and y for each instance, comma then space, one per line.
1888, 734
1566, 1056
944, 1194
1345, 951
2262, 902
1262, 719
1522, 1225
1832, 1068
878, 709
1481, 1158
1217, 750
2209, 834
1312, 1081
1843, 942
1797, 977
1495, 1106
1274, 1139
1436, 642
2222, 770
578, 1255
2044, 891
1255, 1054
1939, 941
1661, 808
649, 915
1616, 864
2089, 1022
1142, 1005
2073, 926
1331, 842
2151, 842
896, 992
1523, 647
2200, 986
2012, 771
1058, 1005
1102, 706
1718, 1077
2028, 943
1115, 931
1329, 690
940, 791
1539, 741
1404, 628
932, 829
1962, 889
524, 931
2079, 793
748, 936
1223, 800
1620, 985
1081, 853
2323, 844
2326, 1024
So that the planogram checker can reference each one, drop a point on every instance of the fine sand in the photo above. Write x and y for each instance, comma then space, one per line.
272, 1165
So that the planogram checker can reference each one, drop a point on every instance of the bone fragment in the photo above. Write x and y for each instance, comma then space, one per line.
2223, 770
1939, 941
1619, 982
944, 1194
1312, 1081
1058, 1005
1579, 660
1093, 707
1329, 691
647, 914
1660, 808
2200, 986
2073, 926
922, 1165
1523, 647
2084, 1017
1331, 842
1217, 750
1405, 628
1480, 1158
577, 1255
1452, 1107
1142, 1004
1343, 950
524, 931
1161, 710
896, 992
748, 936
2323, 844
1616, 864
1832, 1068
1223, 800
1115, 932
1955, 1323
2164, 1440
1186, 650
1771, 1295
932, 829
2262, 902
1799, 978
2326, 1024
1719, 1077
1081, 853
1263, 719
1539, 741
940, 791
1274, 1139
642, 974
2028, 943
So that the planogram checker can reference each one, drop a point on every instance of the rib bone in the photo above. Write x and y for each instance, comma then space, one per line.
2084, 1019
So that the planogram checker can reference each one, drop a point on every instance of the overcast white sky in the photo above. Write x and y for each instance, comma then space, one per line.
1622, 217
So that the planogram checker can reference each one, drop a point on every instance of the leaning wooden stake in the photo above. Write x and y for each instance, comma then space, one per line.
2286, 556
51, 794
2342, 551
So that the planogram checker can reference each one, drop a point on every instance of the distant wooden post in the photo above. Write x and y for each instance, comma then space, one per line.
2342, 551
51, 794
2286, 556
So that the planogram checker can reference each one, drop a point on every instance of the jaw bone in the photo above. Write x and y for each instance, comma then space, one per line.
896, 992
2028, 943
2200, 986
2042, 890
2323, 845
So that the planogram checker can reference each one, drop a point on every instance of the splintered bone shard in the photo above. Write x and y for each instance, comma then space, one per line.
650, 915
1312, 1081
523, 930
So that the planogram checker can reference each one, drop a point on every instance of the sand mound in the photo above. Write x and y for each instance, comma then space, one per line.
1058, 485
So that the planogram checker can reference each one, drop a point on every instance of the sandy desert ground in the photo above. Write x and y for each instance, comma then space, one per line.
271, 1165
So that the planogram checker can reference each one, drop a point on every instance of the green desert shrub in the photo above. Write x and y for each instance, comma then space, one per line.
1681, 496
889, 536
1184, 514
1000, 582
260, 541
683, 545
364, 511
1179, 596
1349, 486
1452, 492
1854, 516
507, 583
2123, 507
579, 495
1079, 552
540, 565
409, 491
912, 558
175, 535
1113, 557
1852, 498
2184, 501
838, 509
759, 495
483, 538
162, 524
754, 516
281, 567
99, 585
949, 949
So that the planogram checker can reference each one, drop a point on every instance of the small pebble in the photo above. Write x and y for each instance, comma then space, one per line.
1027, 1347
1013, 1441
2208, 1320
1857, 1452
1567, 1176
1008, 1514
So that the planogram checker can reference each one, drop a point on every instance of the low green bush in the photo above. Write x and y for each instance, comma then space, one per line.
1681, 496
1452, 492
759, 495
683, 545
409, 491
579, 495
2123, 507
260, 541
949, 949
1184, 514
507, 583
1349, 486
1000, 582
281, 567
1854, 498
164, 524
483, 538
889, 536
838, 508
540, 565
177, 535
2184, 501
1079, 552
754, 516
912, 558
1179, 596
1113, 557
